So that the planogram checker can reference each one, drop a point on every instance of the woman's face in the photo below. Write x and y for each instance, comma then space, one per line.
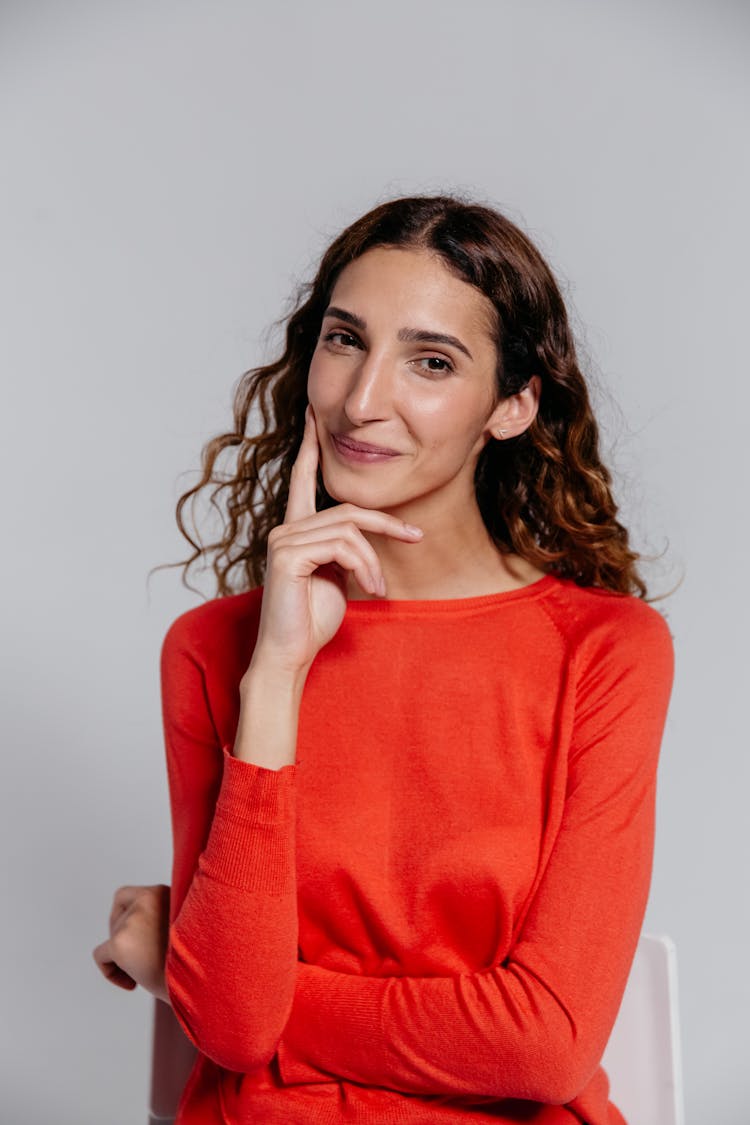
406, 363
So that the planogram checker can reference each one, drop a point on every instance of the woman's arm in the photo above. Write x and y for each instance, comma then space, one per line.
536, 1026
231, 959
232, 955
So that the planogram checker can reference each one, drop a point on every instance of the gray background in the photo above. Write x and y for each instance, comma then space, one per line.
170, 172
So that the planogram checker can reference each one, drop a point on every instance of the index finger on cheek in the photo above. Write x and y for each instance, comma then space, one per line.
304, 476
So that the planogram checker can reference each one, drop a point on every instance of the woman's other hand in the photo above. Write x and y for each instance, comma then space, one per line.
136, 948
304, 594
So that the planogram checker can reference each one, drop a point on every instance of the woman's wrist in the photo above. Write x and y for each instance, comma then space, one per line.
266, 674
270, 700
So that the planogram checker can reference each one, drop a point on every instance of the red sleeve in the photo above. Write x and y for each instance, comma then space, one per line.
534, 1027
231, 958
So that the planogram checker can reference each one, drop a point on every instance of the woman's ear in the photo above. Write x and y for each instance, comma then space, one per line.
516, 413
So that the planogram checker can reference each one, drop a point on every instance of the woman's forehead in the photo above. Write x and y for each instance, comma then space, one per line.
398, 284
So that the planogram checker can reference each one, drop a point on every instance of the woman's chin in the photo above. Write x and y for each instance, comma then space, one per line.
363, 493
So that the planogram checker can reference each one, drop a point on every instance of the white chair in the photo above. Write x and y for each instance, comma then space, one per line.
642, 1058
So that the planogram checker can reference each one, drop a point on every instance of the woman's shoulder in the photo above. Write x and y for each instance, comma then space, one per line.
213, 624
591, 615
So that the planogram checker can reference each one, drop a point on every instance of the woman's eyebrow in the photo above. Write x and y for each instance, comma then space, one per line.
347, 317
427, 336
409, 335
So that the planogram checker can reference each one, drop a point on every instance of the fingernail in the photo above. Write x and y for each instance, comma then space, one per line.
412, 530
381, 586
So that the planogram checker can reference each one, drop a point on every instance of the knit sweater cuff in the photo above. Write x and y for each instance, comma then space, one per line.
309, 1049
251, 844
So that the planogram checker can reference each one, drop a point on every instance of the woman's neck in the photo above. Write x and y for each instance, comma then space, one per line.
459, 561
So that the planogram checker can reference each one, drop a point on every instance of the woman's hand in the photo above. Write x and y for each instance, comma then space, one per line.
304, 594
138, 934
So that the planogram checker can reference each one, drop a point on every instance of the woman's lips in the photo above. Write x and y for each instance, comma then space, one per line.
352, 450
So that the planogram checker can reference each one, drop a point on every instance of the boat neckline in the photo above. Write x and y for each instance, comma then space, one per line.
530, 590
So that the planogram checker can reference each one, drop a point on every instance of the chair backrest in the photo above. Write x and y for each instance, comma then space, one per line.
172, 1059
642, 1058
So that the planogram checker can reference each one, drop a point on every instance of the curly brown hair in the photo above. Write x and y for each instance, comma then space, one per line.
544, 494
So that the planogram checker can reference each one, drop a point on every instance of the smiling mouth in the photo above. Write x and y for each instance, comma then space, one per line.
363, 447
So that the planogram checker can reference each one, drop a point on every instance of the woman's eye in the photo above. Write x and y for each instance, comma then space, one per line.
436, 364
342, 339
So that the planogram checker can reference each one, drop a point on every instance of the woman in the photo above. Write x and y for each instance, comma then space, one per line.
412, 774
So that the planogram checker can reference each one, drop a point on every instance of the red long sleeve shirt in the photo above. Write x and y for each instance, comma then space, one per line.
431, 915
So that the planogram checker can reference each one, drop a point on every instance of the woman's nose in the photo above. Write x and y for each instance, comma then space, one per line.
369, 395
